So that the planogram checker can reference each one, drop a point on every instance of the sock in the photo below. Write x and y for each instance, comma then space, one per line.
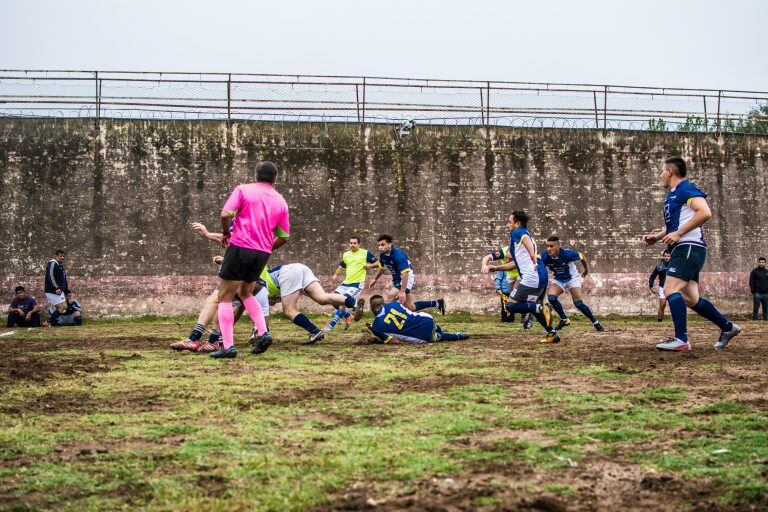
197, 332
557, 306
346, 314
521, 307
450, 336
214, 336
710, 312
257, 315
305, 323
227, 323
78, 320
424, 304
679, 315
543, 321
585, 310
336, 318
54, 317
349, 302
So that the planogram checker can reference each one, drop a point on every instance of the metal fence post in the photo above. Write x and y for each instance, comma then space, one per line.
594, 97
482, 108
229, 99
97, 121
362, 125
357, 101
719, 93
487, 105
605, 107
706, 121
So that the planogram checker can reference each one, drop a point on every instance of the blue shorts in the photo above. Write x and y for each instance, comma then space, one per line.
686, 261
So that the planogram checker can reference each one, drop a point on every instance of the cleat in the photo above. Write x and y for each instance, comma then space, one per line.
564, 322
254, 338
225, 353
528, 322
462, 336
725, 337
441, 306
552, 337
209, 347
674, 345
357, 312
262, 343
599, 327
314, 338
186, 345
348, 322
544, 310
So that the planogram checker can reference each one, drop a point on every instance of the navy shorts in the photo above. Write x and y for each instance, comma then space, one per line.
686, 261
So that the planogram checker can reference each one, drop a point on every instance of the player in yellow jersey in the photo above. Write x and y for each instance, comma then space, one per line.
352, 265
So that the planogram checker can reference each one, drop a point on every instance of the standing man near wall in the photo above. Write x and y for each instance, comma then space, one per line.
685, 211
261, 225
56, 285
758, 285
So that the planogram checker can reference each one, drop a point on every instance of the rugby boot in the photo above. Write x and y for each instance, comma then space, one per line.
314, 338
441, 306
528, 322
358, 311
727, 336
209, 347
225, 353
544, 310
186, 345
262, 343
674, 345
551, 337
564, 322
599, 327
347, 322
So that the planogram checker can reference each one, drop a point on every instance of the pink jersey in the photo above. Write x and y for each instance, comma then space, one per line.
261, 213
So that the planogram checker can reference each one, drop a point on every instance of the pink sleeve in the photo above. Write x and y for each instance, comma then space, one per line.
233, 203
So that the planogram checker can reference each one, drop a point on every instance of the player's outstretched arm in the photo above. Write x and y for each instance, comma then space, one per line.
585, 265
506, 266
226, 219
484, 264
652, 238
337, 274
376, 278
203, 231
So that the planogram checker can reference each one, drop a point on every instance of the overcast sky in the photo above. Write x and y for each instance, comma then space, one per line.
678, 43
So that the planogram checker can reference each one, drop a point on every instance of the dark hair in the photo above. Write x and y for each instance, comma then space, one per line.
266, 172
680, 169
376, 302
521, 217
60, 252
355, 237
18, 289
388, 238
553, 238
761, 258
666, 251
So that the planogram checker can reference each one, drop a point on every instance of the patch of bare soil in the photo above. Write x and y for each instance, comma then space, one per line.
90, 344
18, 365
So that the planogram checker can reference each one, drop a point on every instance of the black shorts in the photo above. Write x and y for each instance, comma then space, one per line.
686, 261
241, 264
527, 294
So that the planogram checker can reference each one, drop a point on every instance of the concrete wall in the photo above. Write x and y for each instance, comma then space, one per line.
121, 200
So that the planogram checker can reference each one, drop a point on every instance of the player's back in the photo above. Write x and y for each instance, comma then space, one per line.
397, 321
260, 213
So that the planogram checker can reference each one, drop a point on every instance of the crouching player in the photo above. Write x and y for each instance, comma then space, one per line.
395, 322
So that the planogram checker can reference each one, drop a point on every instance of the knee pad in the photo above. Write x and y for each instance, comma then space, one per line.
552, 298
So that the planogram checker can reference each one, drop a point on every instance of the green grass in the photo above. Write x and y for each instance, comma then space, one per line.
155, 430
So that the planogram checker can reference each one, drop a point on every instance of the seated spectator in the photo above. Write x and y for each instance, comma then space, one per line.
73, 315
23, 311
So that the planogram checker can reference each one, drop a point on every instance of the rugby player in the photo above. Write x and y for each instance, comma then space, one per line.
396, 322
660, 271
352, 265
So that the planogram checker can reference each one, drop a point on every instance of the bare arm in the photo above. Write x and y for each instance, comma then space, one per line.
585, 265
701, 214
486, 261
203, 231
279, 242
652, 238
506, 266
226, 219
376, 278
337, 274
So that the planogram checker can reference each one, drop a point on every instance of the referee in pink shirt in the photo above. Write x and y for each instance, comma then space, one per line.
261, 225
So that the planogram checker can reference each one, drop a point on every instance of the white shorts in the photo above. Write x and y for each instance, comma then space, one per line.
352, 291
54, 299
263, 299
574, 282
661, 293
294, 277
410, 282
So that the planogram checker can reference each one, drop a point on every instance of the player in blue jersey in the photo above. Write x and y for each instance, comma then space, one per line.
660, 272
397, 263
566, 278
533, 275
685, 211
396, 322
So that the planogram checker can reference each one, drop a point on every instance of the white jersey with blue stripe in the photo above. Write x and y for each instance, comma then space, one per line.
530, 275
677, 212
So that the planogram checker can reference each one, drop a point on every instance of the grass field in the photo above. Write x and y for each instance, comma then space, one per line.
105, 417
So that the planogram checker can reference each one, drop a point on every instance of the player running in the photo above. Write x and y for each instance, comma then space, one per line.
396, 322
397, 263
261, 225
685, 211
505, 283
352, 264
566, 278
533, 275
660, 271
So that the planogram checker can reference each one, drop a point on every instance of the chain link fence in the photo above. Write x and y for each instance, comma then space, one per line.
374, 100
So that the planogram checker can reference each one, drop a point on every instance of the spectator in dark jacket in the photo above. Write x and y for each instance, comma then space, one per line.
758, 285
56, 286
660, 271
24, 310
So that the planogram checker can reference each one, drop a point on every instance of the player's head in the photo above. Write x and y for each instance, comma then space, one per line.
761, 262
60, 255
68, 296
20, 292
266, 172
376, 302
553, 245
666, 255
518, 219
354, 243
384, 243
674, 167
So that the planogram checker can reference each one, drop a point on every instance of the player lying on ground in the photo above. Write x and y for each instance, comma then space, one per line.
396, 322
505, 282
352, 265
565, 278
685, 211
660, 271
397, 263
529, 295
